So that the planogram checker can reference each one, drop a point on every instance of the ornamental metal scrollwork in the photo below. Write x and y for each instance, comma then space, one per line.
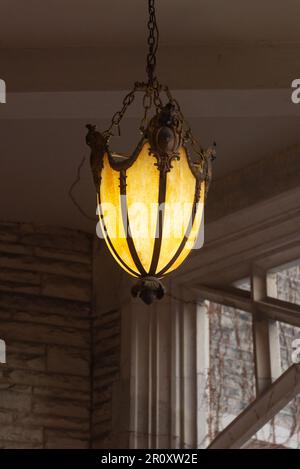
164, 134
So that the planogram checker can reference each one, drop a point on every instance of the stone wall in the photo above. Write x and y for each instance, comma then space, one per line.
106, 365
45, 320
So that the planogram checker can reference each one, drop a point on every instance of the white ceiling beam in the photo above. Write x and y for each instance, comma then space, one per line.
196, 104
270, 308
206, 66
234, 297
280, 311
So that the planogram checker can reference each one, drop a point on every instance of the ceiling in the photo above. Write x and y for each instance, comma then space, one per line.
42, 142
65, 23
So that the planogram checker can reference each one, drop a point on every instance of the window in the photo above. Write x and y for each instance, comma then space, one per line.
251, 345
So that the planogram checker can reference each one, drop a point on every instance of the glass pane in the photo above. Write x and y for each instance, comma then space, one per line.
287, 334
231, 385
284, 283
282, 431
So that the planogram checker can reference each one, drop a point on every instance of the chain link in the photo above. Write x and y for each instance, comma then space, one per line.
153, 39
147, 104
118, 116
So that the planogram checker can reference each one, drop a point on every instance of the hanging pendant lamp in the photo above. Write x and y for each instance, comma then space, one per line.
150, 204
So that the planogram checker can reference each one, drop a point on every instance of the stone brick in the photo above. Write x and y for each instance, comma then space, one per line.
102, 333
105, 440
51, 380
63, 255
14, 400
64, 287
20, 445
50, 319
60, 407
51, 266
103, 412
66, 439
66, 360
105, 371
21, 434
66, 308
5, 314
107, 320
18, 276
57, 238
5, 417
43, 334
19, 288
17, 387
25, 347
15, 248
108, 345
9, 232
111, 358
66, 394
104, 428
102, 396
55, 422
26, 361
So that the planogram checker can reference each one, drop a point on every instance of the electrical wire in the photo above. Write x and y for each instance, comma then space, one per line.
72, 187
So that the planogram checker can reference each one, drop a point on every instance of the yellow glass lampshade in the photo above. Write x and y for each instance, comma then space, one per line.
146, 237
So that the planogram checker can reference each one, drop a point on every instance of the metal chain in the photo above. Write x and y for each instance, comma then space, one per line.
147, 104
153, 39
118, 116
152, 88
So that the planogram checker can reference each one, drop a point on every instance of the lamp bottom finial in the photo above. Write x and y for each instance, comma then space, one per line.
149, 289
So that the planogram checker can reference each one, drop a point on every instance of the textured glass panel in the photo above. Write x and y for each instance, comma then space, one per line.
142, 194
112, 252
142, 200
194, 233
112, 215
180, 194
